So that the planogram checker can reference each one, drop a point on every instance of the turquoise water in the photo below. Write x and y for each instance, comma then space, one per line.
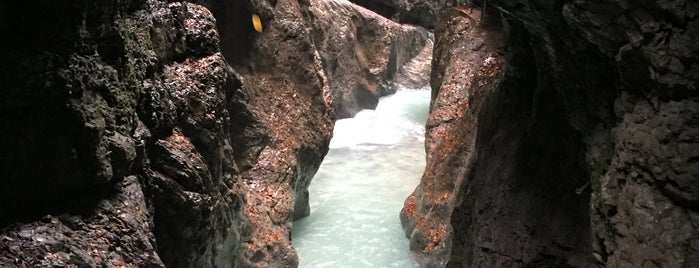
375, 161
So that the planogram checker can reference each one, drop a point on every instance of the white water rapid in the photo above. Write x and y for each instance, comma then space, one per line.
375, 161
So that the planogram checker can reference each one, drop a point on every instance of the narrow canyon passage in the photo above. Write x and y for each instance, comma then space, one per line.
375, 161
179, 134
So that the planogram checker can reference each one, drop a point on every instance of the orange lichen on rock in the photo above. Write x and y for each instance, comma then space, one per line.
273, 236
443, 197
410, 205
201, 9
435, 235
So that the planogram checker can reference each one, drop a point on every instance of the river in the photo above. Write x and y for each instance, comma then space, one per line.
375, 161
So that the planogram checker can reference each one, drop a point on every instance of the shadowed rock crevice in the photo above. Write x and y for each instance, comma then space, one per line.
42, 119
527, 183
233, 21
574, 162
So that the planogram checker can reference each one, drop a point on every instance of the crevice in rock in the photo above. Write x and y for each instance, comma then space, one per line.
233, 21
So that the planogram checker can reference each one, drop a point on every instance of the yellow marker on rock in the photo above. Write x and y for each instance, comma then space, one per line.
256, 23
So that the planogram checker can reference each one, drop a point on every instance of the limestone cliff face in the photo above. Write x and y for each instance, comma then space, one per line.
578, 149
362, 52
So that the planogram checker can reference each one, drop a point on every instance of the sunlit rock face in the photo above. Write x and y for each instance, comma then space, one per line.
582, 154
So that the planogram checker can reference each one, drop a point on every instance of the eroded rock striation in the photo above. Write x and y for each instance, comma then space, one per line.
580, 151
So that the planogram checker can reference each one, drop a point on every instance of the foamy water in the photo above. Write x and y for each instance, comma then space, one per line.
375, 161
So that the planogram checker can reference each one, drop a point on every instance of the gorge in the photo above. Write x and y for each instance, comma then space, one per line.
149, 133
375, 161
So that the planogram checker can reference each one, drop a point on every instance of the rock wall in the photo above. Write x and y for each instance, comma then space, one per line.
582, 155
146, 133
132, 164
286, 123
131, 142
468, 66
362, 52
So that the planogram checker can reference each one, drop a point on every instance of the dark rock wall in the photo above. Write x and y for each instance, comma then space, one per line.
153, 133
132, 164
585, 150
131, 141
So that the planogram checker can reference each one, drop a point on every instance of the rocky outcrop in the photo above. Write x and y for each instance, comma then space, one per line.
468, 67
362, 53
285, 123
583, 154
140, 134
117, 95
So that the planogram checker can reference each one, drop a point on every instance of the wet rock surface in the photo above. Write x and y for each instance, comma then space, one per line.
132, 142
112, 232
583, 153
415, 73
158, 133
172, 134
131, 166
181, 117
